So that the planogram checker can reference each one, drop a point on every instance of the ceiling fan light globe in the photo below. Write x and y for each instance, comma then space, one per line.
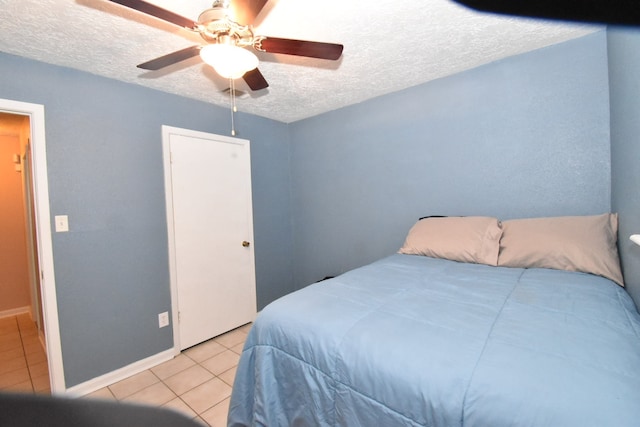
230, 61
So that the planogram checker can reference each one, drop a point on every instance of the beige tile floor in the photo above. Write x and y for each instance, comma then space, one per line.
197, 382
23, 361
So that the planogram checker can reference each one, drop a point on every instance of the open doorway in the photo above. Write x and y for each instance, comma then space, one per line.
22, 333
36, 235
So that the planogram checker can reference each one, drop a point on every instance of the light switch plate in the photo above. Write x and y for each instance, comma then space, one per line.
62, 223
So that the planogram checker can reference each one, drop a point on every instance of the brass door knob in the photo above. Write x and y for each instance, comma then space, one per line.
245, 244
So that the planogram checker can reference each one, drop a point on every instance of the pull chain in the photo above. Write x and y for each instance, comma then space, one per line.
232, 101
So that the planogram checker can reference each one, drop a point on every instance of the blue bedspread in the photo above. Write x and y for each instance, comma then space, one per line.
417, 341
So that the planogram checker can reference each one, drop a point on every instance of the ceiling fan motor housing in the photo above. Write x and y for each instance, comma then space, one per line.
215, 26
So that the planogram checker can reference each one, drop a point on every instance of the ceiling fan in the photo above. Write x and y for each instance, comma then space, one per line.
226, 29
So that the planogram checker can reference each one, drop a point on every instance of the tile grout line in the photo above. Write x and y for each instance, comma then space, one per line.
24, 354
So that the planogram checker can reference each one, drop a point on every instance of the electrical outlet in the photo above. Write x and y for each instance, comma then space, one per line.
163, 319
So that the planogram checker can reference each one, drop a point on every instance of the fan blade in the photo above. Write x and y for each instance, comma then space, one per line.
255, 79
170, 59
300, 48
158, 12
623, 12
245, 11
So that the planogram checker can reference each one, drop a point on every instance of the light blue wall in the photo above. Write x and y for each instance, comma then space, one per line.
105, 168
624, 76
525, 136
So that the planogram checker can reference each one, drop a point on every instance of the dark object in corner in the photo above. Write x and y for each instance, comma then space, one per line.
614, 12
432, 216
326, 278
22, 410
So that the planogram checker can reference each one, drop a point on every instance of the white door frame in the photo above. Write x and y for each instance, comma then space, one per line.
44, 239
168, 197
167, 131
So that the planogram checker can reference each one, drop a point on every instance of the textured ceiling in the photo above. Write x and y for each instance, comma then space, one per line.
389, 45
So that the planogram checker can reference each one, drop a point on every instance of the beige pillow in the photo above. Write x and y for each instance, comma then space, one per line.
466, 239
574, 243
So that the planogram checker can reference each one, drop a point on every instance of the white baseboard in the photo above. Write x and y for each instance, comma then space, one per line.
15, 311
119, 374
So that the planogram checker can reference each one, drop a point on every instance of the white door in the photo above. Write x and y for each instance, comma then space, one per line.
210, 222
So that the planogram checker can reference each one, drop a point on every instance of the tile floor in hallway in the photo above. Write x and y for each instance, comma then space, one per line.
197, 382
23, 361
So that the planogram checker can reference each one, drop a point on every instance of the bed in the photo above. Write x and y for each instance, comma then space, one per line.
447, 334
